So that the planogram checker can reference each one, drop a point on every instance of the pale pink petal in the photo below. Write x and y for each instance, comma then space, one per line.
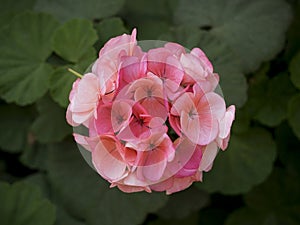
209, 155
183, 103
175, 49
212, 103
223, 143
201, 55
107, 159
179, 184
120, 115
152, 171
191, 127
226, 122
69, 117
157, 60
157, 124
114, 46
193, 67
132, 189
173, 71
81, 140
163, 185
74, 88
85, 99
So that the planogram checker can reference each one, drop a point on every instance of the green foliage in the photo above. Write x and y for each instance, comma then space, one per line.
295, 70
252, 48
271, 202
54, 116
247, 27
14, 118
23, 204
250, 154
25, 45
92, 199
90, 9
74, 40
189, 201
109, 28
294, 115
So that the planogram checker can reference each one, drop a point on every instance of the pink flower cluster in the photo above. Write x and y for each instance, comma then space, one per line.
154, 120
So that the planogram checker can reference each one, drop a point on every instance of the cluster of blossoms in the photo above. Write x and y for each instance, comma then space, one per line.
154, 120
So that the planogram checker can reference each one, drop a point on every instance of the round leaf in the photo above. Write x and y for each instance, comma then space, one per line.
60, 85
190, 200
74, 39
25, 45
51, 125
273, 109
252, 29
23, 204
109, 28
90, 9
15, 123
247, 162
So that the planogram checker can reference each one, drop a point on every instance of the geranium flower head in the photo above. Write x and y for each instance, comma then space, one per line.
154, 121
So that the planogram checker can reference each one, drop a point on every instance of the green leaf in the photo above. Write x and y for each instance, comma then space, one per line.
189, 201
62, 217
224, 60
288, 147
90, 9
274, 202
23, 204
273, 109
34, 156
11, 6
252, 29
74, 39
25, 45
61, 85
51, 125
242, 121
294, 115
279, 195
247, 162
293, 34
85, 194
295, 70
275, 193
15, 123
109, 28
161, 9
